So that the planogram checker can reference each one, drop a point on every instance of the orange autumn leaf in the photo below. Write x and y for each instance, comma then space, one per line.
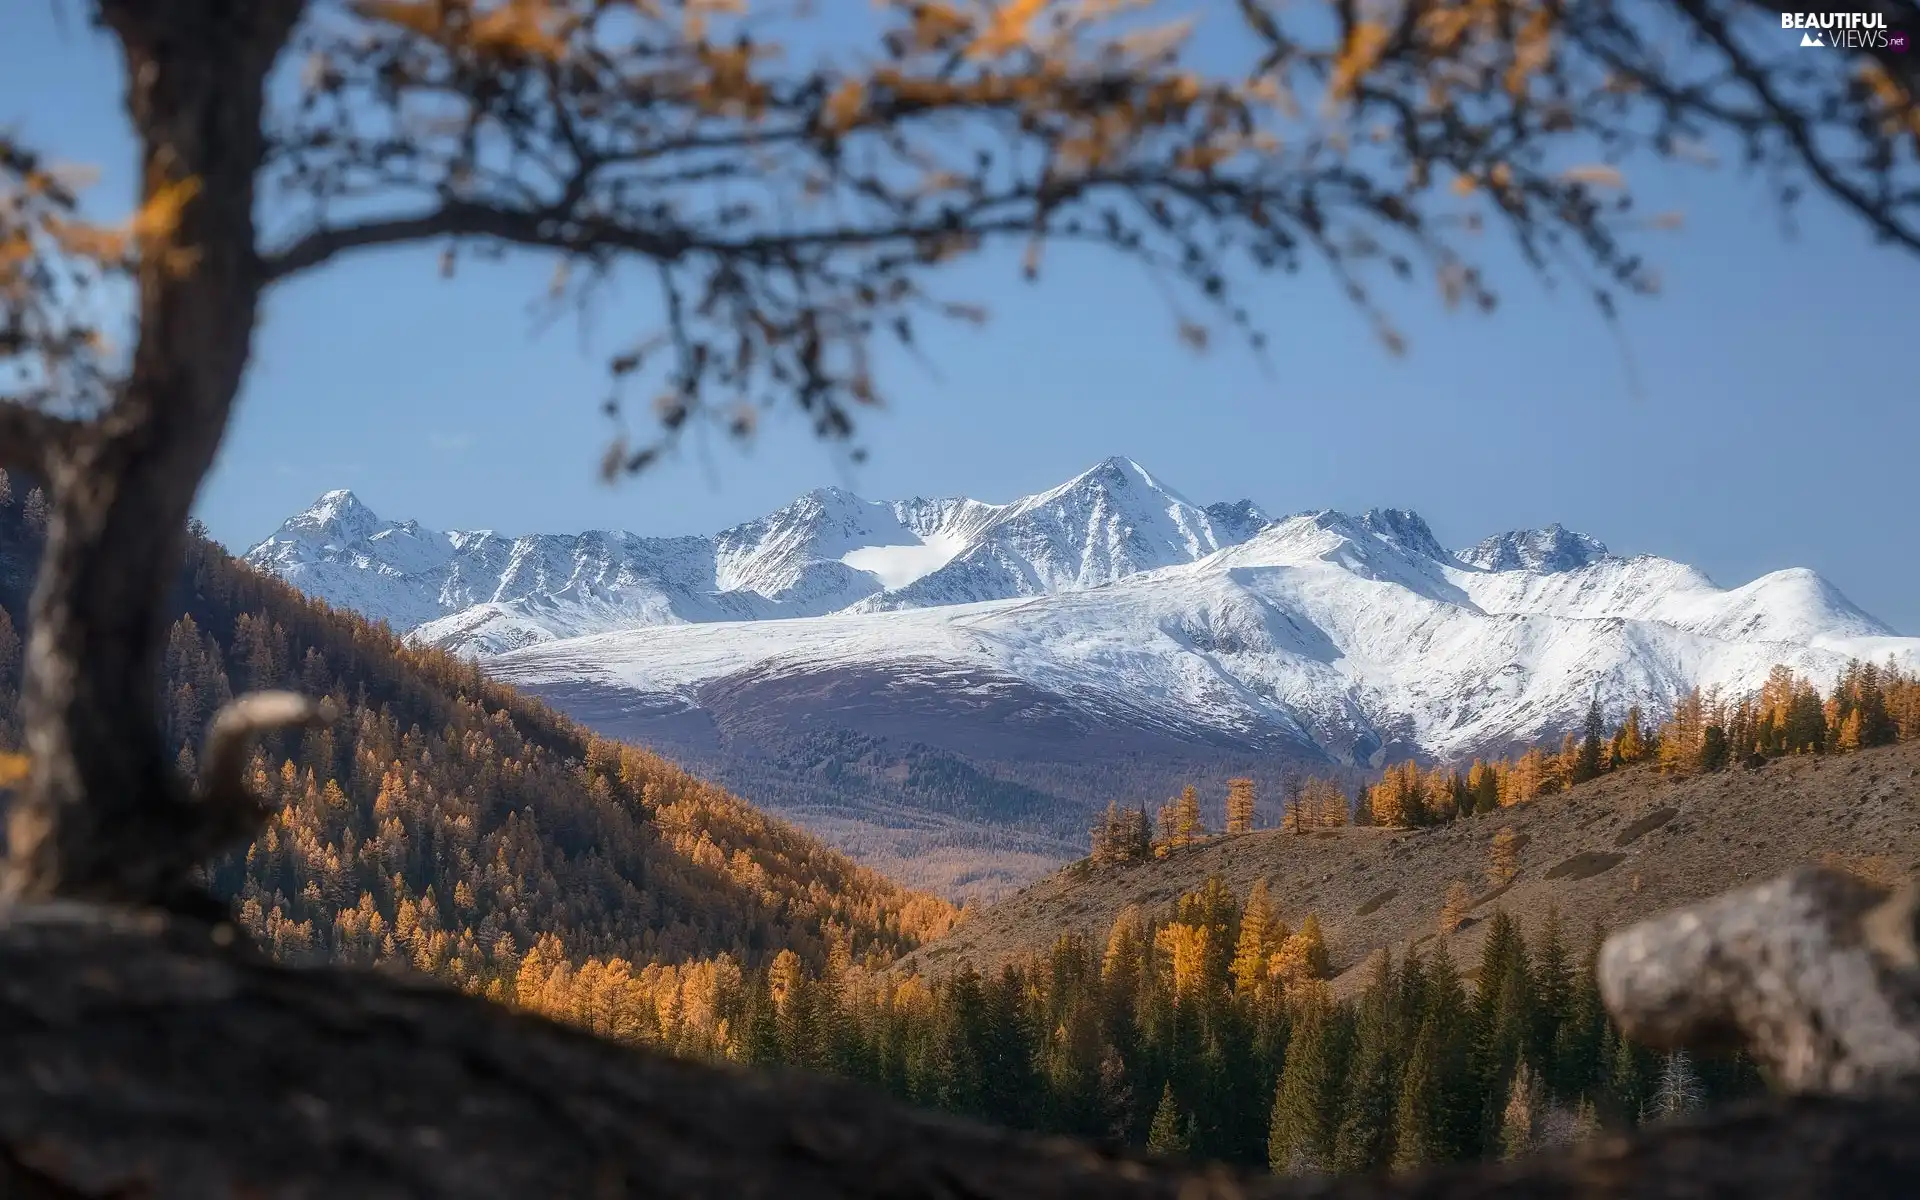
1007, 30
1596, 175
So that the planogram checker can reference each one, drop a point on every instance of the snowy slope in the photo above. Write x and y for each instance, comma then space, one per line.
1358, 633
1107, 523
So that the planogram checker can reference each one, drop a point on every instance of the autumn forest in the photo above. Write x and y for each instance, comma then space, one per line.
447, 826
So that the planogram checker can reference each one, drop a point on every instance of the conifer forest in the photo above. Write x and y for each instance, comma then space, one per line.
447, 826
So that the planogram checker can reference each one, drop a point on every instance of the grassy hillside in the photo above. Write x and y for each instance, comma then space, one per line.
1610, 851
449, 822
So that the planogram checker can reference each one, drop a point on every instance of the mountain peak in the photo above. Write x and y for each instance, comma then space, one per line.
1115, 471
1238, 520
1548, 551
1406, 529
337, 514
337, 500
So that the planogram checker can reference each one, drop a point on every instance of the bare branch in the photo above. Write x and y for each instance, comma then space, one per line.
228, 811
29, 436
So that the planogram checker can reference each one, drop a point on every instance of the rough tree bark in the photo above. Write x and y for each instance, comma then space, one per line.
104, 815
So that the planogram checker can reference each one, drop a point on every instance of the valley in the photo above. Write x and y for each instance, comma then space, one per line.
952, 689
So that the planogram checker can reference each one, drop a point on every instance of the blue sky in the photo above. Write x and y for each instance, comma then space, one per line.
1775, 423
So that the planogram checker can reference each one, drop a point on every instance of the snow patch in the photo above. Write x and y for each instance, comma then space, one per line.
898, 566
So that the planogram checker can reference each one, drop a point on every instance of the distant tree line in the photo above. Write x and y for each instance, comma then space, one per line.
1868, 705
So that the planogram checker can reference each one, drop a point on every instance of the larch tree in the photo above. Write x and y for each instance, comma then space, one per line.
1261, 933
1240, 797
1519, 1120
1294, 817
1454, 910
1503, 857
793, 211
1187, 827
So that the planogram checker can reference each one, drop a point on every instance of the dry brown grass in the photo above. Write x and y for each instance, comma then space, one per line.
1611, 852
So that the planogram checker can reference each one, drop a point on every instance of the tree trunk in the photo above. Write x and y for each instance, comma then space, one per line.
104, 815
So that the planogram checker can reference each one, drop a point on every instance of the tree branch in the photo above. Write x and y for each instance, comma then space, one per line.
1793, 124
229, 812
29, 436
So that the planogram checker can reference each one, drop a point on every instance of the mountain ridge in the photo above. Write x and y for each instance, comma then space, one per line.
1108, 619
479, 592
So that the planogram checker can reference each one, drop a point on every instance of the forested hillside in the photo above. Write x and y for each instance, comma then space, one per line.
1654, 829
447, 821
1207, 1028
1218, 996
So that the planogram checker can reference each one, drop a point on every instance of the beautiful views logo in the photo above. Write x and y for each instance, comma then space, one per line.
1845, 31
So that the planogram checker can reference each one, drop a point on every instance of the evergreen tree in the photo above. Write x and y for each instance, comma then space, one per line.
1006, 1052
1483, 784
1579, 1050
958, 1080
1502, 1018
1591, 760
1168, 1133
1713, 748
1626, 1088
34, 512
1420, 1133
1363, 1140
761, 1046
1677, 1092
1805, 728
1306, 1104
1457, 1116
1552, 981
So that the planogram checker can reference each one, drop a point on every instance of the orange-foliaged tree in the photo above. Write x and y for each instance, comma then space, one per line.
793, 213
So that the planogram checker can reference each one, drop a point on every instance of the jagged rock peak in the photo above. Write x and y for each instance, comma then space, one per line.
1406, 529
1237, 520
1548, 551
338, 513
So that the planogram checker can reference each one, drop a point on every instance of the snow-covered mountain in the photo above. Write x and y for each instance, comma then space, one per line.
937, 684
1356, 636
480, 593
1110, 593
